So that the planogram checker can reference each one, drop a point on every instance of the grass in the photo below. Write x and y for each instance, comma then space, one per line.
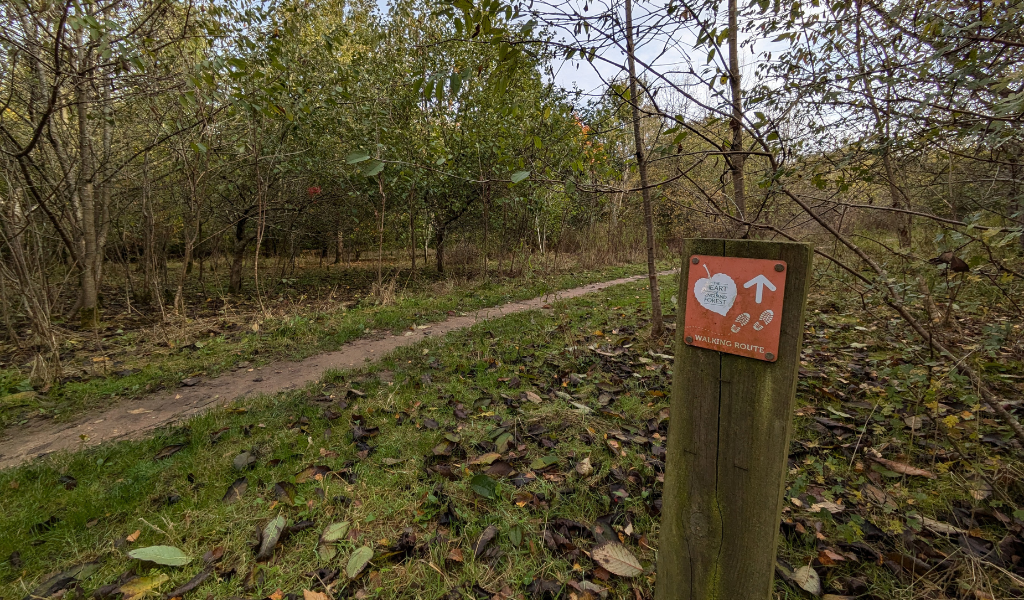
861, 380
123, 362
380, 495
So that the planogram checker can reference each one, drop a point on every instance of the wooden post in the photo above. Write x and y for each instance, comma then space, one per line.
731, 421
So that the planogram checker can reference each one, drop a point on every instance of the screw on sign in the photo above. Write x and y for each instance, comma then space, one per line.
735, 305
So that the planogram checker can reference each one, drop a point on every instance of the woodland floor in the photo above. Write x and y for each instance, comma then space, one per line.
141, 350
135, 418
492, 461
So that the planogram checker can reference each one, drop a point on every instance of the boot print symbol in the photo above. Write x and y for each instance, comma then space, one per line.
741, 320
766, 317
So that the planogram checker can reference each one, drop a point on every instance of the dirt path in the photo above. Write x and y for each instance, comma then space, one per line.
135, 418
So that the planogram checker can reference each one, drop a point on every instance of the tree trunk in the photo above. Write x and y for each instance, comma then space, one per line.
657, 326
412, 227
238, 256
504, 239
439, 251
237, 259
896, 197
149, 293
89, 312
33, 296
179, 293
882, 128
737, 160
339, 245
380, 242
486, 221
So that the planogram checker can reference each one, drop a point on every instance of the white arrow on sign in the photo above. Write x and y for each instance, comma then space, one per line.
761, 282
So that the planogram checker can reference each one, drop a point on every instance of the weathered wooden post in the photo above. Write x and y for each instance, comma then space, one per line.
737, 357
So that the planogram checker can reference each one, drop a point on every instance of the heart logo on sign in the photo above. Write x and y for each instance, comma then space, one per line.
716, 293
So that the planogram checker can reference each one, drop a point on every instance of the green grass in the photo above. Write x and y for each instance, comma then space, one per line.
121, 488
867, 379
139, 365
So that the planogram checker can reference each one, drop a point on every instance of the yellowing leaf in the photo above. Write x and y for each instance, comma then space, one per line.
617, 559
485, 459
138, 588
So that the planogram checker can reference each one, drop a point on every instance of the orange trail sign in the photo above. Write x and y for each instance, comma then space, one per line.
734, 305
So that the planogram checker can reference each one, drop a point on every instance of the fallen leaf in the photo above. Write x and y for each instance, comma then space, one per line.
243, 461
358, 561
829, 558
500, 469
617, 559
543, 462
285, 492
236, 490
167, 451
133, 536
333, 533
485, 459
914, 422
807, 579
137, 588
190, 585
943, 528
214, 555
455, 555
161, 555
831, 507
315, 472
483, 485
592, 588
309, 595
63, 579
584, 467
904, 469
444, 448
486, 538
271, 534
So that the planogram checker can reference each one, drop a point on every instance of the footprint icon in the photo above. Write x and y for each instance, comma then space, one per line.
743, 319
766, 317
